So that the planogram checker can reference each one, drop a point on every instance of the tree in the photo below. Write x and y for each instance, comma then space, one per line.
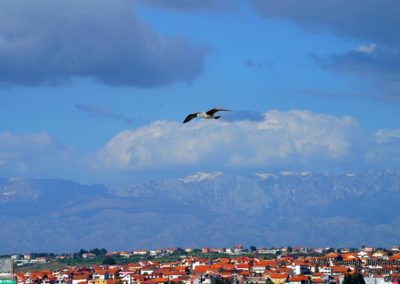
80, 253
339, 258
180, 251
358, 278
99, 252
253, 248
109, 261
355, 278
347, 279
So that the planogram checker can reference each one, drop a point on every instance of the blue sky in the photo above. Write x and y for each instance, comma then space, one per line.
96, 90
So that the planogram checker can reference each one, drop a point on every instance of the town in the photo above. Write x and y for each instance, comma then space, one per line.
293, 265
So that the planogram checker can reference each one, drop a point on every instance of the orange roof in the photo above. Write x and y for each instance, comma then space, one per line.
174, 273
201, 268
339, 269
180, 268
242, 266
283, 270
229, 266
162, 270
265, 263
332, 255
81, 276
226, 273
278, 275
350, 258
302, 263
156, 280
216, 266
350, 254
224, 260
298, 278
395, 275
20, 276
395, 256
317, 280
113, 270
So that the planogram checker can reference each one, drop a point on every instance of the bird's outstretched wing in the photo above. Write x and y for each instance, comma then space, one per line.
214, 110
190, 117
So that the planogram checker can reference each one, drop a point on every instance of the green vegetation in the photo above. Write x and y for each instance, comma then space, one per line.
109, 261
95, 251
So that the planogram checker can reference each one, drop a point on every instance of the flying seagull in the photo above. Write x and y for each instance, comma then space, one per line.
206, 115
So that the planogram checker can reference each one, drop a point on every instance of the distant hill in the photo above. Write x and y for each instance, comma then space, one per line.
204, 209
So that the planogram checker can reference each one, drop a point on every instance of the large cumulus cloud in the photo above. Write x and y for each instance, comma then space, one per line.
292, 140
48, 41
373, 23
281, 140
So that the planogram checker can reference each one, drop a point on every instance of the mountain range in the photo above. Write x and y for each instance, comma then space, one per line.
203, 209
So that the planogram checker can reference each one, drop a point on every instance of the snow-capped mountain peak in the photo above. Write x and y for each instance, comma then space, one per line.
264, 176
200, 176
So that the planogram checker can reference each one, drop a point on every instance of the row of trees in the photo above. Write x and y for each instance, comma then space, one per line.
95, 251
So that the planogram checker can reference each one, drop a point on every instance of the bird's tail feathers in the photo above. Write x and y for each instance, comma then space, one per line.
216, 117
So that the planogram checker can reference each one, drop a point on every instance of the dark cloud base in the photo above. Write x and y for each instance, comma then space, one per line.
52, 42
372, 22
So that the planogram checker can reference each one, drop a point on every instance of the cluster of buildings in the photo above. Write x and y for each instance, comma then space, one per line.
292, 266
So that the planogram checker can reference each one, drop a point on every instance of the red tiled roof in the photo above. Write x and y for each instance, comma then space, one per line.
298, 278
278, 275
224, 260
332, 255
80, 276
155, 280
395, 256
201, 268
242, 266
229, 266
265, 263
339, 269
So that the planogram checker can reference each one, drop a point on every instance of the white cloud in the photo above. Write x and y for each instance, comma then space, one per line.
367, 49
290, 139
385, 136
32, 154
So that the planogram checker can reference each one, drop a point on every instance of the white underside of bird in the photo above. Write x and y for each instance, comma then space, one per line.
204, 115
